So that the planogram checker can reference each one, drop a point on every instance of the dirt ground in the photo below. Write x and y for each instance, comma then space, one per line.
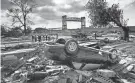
130, 51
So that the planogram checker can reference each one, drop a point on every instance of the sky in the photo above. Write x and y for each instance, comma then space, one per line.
49, 12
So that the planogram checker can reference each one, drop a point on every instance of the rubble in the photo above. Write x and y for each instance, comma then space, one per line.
39, 69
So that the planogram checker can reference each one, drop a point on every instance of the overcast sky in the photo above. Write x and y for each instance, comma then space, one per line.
48, 13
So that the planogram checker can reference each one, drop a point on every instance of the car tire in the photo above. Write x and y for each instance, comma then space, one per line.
61, 41
114, 51
114, 55
106, 40
71, 47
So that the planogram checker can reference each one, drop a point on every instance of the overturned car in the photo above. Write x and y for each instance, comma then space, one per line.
69, 52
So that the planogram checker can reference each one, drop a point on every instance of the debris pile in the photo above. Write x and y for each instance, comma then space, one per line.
130, 51
39, 69
32, 69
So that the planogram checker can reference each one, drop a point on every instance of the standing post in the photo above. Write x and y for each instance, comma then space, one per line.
43, 37
39, 38
46, 37
56, 36
95, 35
35, 38
83, 22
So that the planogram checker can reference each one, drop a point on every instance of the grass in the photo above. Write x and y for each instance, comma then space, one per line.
15, 40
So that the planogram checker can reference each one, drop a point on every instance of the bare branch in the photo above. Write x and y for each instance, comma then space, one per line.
20, 14
15, 22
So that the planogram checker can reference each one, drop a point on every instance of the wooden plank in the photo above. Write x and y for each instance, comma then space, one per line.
18, 51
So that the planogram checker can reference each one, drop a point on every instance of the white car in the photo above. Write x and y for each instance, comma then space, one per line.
111, 37
110, 49
132, 36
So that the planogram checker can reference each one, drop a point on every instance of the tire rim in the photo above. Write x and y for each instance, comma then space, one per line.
114, 54
72, 46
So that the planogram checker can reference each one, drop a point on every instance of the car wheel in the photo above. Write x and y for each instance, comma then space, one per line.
106, 40
114, 54
71, 47
61, 41
114, 51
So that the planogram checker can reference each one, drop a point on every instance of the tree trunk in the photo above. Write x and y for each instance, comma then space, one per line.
25, 25
24, 29
125, 29
126, 33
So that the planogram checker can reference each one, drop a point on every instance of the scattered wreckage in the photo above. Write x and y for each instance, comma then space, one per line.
84, 64
103, 63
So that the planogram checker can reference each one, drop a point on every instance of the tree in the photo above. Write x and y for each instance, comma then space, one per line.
40, 30
28, 30
20, 13
15, 32
102, 15
79, 34
4, 30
